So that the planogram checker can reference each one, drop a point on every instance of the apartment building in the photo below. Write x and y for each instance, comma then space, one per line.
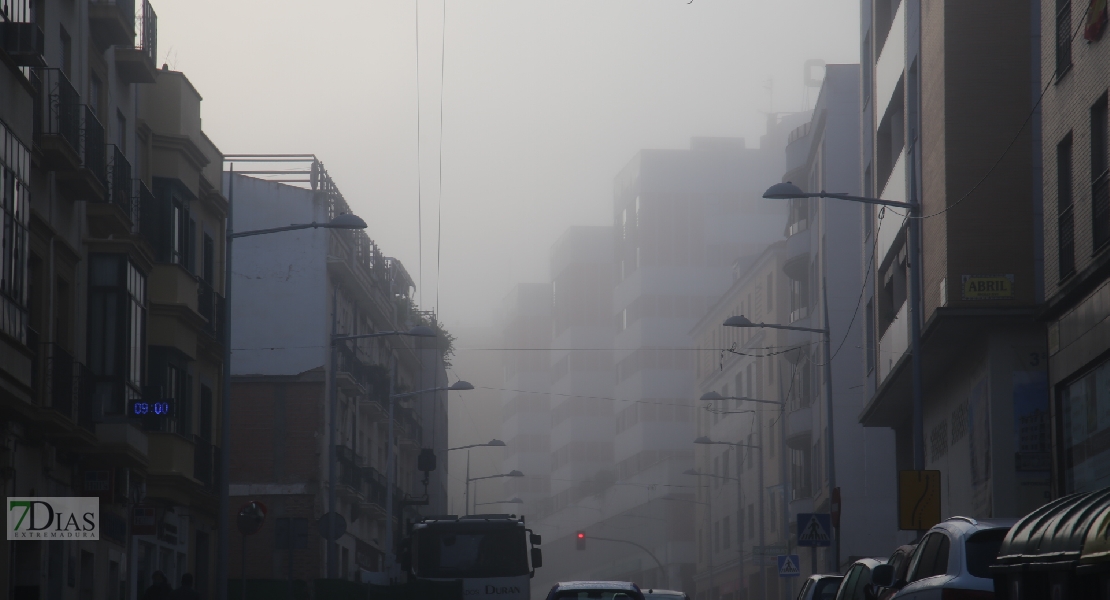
315, 282
949, 120
101, 311
525, 403
581, 387
1076, 208
742, 495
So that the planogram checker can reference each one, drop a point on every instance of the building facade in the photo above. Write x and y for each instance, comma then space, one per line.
111, 298
525, 403
314, 282
945, 126
1076, 212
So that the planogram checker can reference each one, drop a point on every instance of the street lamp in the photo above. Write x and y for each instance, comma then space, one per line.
787, 190
513, 473
458, 386
510, 501
419, 331
494, 443
341, 221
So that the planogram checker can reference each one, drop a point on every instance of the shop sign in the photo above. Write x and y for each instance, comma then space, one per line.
988, 287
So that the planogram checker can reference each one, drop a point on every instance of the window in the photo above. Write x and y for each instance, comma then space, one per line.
869, 341
717, 536
724, 464
1063, 37
117, 330
204, 421
800, 474
1100, 191
1081, 405
66, 43
931, 558
981, 550
14, 214
95, 88
1065, 224
121, 131
208, 260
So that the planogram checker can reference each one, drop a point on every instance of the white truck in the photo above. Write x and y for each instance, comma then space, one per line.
495, 556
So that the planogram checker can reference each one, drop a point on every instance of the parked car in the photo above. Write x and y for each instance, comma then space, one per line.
900, 561
857, 584
595, 590
951, 562
820, 587
655, 594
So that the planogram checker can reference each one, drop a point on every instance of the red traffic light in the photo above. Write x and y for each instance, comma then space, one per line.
581, 535
580, 540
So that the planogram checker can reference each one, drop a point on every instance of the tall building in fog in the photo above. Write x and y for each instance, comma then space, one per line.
950, 120
582, 419
525, 407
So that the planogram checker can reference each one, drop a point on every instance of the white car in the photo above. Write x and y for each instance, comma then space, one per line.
951, 562
820, 587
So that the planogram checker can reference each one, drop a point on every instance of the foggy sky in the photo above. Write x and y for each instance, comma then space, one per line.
544, 102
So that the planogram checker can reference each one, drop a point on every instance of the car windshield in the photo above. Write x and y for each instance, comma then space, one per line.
982, 549
825, 589
471, 553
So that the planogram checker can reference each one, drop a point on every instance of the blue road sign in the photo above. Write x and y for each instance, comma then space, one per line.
814, 529
789, 566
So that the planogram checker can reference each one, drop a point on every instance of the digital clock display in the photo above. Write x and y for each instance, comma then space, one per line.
142, 408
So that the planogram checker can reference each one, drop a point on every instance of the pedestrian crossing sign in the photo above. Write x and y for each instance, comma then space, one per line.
814, 529
788, 566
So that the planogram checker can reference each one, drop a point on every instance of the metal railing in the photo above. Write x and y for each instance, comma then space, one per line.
141, 198
59, 105
119, 179
92, 149
146, 26
16, 11
65, 385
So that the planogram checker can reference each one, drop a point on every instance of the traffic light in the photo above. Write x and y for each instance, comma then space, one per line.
580, 540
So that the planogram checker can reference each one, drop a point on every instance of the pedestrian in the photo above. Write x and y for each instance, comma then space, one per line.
159, 588
186, 591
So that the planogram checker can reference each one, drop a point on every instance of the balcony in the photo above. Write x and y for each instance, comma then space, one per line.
123, 441
24, 42
350, 473
138, 64
89, 179
112, 22
57, 120
374, 492
210, 305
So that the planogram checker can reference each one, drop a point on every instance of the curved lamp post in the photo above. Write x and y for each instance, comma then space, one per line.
494, 443
513, 473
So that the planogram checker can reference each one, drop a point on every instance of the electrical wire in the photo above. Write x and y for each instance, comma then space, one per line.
439, 212
419, 180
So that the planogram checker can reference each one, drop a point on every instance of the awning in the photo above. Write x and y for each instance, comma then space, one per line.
1055, 536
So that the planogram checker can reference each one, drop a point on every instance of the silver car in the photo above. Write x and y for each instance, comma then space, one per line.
951, 562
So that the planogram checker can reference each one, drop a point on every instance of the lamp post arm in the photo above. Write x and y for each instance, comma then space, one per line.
312, 225
865, 200
788, 327
361, 336
418, 392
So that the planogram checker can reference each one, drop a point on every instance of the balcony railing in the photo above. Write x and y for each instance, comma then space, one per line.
57, 110
146, 26
210, 305
65, 384
112, 22
119, 179
20, 36
141, 198
92, 149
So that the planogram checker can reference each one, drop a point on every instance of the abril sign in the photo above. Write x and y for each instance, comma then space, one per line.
42, 518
